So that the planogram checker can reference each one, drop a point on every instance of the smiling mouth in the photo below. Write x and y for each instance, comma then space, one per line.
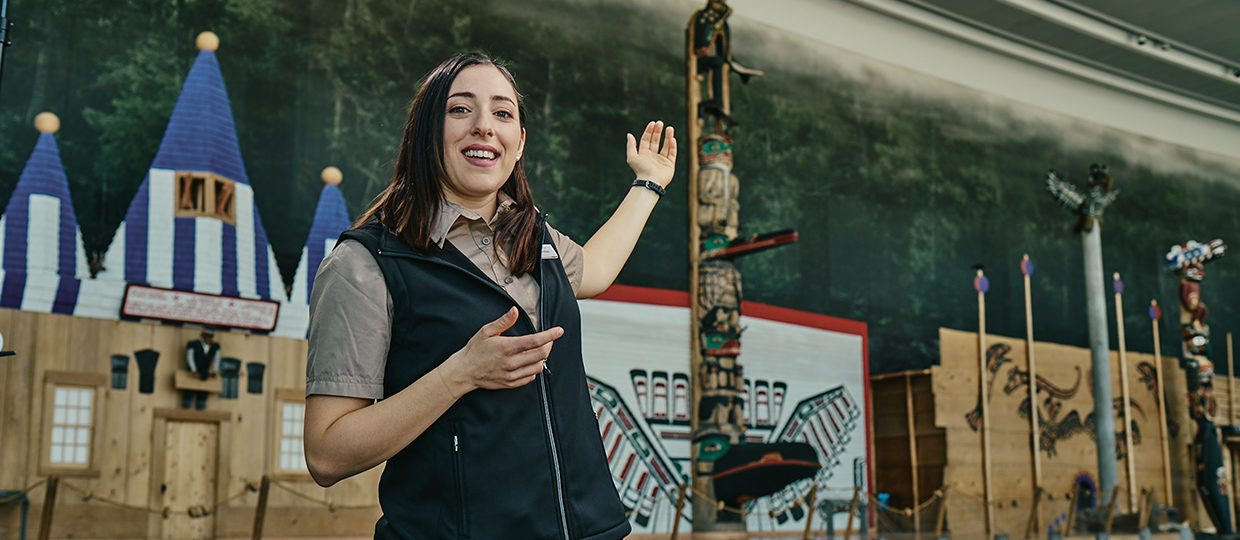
480, 154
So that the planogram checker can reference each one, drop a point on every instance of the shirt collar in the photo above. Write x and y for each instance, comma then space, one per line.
450, 212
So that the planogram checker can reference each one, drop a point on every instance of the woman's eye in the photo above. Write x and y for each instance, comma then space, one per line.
504, 114
458, 109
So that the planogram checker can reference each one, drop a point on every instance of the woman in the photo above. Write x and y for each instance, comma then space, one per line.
453, 304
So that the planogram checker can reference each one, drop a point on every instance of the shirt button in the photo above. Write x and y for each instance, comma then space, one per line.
486, 240
507, 280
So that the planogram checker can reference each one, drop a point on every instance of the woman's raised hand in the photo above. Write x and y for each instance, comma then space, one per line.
493, 361
647, 160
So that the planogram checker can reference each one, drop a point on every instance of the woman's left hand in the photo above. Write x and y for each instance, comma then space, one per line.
647, 160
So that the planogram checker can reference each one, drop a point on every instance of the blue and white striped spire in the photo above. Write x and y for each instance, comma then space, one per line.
43, 258
168, 241
331, 218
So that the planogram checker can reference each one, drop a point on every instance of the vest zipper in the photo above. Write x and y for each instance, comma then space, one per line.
545, 394
462, 524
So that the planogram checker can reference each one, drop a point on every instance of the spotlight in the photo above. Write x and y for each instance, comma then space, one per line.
1141, 40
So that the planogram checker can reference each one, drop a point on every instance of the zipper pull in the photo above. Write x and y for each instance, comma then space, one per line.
456, 447
546, 368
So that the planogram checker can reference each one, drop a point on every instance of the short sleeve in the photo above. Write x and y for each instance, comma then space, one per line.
571, 256
350, 325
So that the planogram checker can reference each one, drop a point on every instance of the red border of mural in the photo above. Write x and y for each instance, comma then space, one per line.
665, 297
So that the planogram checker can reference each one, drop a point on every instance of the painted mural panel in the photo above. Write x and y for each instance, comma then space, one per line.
804, 384
1065, 408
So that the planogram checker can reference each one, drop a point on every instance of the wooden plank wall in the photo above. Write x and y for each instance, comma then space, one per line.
892, 452
1068, 447
128, 452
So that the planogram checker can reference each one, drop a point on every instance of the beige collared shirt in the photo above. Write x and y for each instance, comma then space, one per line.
351, 309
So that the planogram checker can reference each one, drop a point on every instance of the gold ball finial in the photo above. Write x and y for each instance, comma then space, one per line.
332, 175
47, 122
208, 41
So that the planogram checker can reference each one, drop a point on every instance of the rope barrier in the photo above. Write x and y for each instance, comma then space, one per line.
650, 505
23, 492
331, 506
197, 511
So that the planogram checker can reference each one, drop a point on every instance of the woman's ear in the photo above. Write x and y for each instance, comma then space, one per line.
521, 149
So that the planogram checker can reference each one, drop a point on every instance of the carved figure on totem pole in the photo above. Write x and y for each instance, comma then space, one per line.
718, 189
1189, 260
712, 45
1089, 205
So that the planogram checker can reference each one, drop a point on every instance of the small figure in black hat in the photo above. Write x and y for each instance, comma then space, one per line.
202, 358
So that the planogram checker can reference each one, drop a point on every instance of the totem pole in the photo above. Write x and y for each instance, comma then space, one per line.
1189, 260
1089, 207
715, 282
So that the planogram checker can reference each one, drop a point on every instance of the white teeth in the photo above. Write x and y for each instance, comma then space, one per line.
484, 154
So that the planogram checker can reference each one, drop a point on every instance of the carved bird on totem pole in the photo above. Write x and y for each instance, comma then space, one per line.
1089, 205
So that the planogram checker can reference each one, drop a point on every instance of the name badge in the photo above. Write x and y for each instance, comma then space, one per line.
548, 252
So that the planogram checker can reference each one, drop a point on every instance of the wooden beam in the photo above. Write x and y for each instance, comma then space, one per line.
912, 450
981, 384
1162, 405
1035, 430
1129, 457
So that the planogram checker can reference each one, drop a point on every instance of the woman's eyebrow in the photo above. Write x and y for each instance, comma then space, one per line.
471, 95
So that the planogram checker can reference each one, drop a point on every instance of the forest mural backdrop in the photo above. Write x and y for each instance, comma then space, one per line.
898, 183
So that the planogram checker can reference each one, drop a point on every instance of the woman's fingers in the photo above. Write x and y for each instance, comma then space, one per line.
669, 147
498, 326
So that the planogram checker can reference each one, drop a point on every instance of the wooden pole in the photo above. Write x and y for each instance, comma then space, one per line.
938, 523
852, 511
809, 518
1035, 431
260, 512
1231, 383
680, 506
1111, 508
693, 89
1129, 458
1161, 395
982, 284
49, 506
912, 449
1031, 529
1070, 524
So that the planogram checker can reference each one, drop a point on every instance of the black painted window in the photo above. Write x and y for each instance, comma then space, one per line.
120, 371
230, 372
255, 371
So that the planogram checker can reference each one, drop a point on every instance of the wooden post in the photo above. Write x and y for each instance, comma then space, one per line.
938, 523
260, 511
809, 517
1111, 508
1129, 458
1231, 384
1070, 524
1231, 416
680, 506
1031, 529
1147, 502
912, 449
981, 284
49, 506
1161, 395
694, 132
1026, 268
852, 511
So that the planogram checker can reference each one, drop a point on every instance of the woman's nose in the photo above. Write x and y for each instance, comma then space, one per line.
482, 126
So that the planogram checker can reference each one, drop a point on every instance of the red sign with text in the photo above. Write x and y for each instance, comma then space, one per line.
206, 309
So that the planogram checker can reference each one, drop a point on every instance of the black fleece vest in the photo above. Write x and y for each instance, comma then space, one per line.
521, 463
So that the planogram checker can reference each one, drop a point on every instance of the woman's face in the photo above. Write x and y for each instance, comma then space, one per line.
482, 136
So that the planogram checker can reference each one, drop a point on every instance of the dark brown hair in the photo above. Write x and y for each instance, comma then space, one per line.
410, 204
